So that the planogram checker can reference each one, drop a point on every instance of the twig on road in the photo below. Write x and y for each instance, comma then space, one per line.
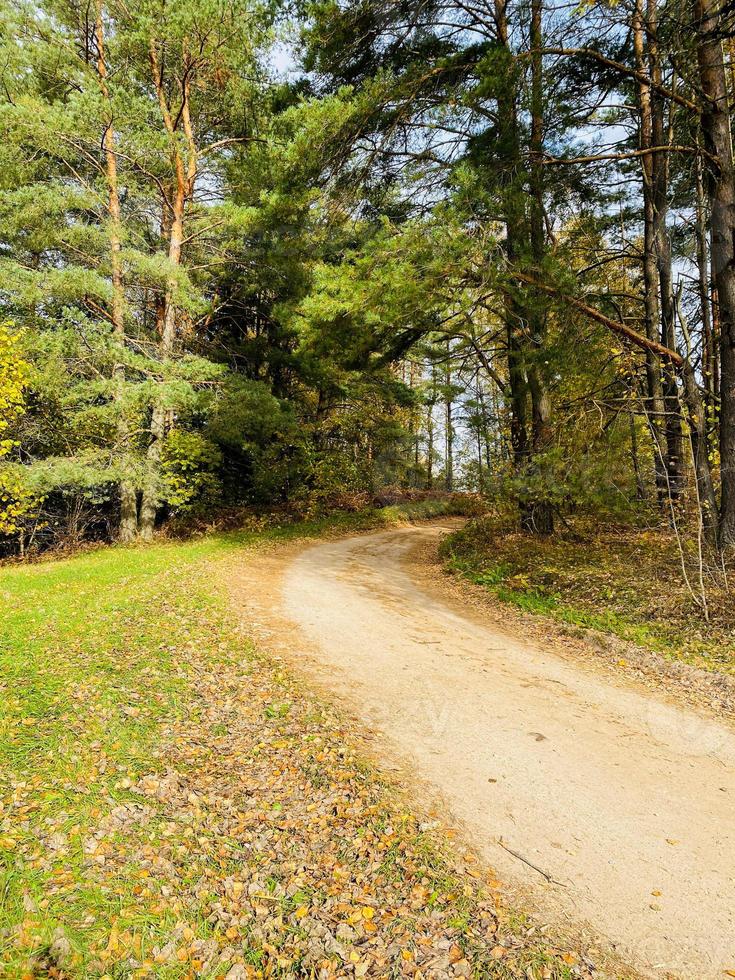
530, 864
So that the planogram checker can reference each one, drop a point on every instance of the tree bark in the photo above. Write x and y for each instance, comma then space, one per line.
697, 422
128, 530
720, 174
184, 177
449, 428
655, 402
430, 432
709, 369
516, 242
540, 518
659, 162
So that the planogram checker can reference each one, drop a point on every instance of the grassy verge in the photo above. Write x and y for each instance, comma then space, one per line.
626, 583
172, 805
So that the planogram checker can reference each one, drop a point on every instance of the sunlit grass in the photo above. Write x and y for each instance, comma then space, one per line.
95, 671
624, 584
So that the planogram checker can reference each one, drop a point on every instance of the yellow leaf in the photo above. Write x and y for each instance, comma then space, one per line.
368, 913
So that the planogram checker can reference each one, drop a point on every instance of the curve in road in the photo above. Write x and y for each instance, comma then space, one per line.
623, 799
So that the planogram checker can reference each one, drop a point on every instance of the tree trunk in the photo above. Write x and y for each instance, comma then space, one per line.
517, 388
485, 428
430, 449
655, 402
540, 517
430, 432
640, 486
708, 337
185, 171
717, 138
449, 429
516, 234
700, 455
128, 494
659, 174
478, 439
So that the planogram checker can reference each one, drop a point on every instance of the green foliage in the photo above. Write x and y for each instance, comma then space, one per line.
336, 278
188, 475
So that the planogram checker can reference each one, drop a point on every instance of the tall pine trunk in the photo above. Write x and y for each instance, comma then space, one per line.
717, 138
184, 176
709, 367
659, 175
516, 242
126, 488
655, 401
449, 427
540, 518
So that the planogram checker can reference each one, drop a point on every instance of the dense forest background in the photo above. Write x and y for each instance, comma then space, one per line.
256, 253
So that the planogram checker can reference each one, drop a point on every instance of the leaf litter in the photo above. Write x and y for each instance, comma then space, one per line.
179, 807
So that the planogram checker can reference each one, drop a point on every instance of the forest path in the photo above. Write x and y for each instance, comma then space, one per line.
624, 799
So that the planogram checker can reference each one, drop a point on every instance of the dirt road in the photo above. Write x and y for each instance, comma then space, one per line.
622, 800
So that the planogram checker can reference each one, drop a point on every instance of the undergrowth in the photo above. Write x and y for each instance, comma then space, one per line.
624, 582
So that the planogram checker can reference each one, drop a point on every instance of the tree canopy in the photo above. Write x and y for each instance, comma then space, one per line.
480, 246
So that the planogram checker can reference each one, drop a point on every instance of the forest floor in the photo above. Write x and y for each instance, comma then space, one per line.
176, 803
633, 584
600, 797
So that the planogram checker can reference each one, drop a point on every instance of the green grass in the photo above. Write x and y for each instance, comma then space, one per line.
122, 665
533, 599
95, 672
625, 583
93, 669
536, 600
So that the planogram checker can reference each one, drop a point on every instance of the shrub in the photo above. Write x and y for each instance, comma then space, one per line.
189, 476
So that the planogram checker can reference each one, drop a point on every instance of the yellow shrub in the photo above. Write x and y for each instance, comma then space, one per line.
15, 499
12, 383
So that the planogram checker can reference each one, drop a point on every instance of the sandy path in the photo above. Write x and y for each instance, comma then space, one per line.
623, 799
